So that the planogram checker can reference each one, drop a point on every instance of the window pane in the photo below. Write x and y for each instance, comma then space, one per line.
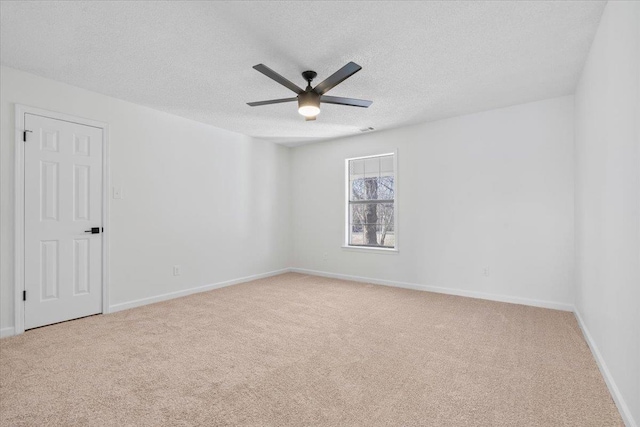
385, 229
386, 165
376, 188
386, 188
356, 224
372, 167
372, 224
357, 189
356, 168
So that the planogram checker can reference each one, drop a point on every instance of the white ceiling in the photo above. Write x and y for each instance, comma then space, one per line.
421, 61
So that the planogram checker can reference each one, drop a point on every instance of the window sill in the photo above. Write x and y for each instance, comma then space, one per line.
370, 249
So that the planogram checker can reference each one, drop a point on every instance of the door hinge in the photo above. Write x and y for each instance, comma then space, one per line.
24, 135
24, 295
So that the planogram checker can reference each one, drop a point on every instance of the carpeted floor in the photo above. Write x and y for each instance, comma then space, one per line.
297, 350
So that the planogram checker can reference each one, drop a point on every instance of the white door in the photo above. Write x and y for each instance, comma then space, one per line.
62, 200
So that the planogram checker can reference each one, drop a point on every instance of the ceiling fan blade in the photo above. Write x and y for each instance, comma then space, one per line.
338, 77
277, 77
308, 119
272, 101
345, 101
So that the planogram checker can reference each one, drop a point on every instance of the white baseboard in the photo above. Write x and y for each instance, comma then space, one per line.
608, 379
441, 290
7, 332
158, 298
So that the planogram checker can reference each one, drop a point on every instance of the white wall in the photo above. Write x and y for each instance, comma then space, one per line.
493, 189
607, 106
212, 201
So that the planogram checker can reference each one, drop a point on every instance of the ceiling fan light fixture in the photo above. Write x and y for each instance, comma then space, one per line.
309, 104
309, 98
309, 111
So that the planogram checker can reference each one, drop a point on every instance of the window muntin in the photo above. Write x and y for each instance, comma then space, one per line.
371, 202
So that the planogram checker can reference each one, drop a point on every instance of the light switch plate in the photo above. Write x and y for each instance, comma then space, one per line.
117, 192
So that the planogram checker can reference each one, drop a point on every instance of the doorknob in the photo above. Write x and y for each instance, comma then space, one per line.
94, 230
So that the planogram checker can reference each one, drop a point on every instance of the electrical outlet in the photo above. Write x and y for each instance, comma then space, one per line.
325, 256
485, 272
176, 270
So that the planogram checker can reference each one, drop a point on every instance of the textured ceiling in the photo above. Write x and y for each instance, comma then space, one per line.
421, 61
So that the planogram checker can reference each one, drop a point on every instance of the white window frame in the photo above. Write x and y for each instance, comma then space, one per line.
347, 193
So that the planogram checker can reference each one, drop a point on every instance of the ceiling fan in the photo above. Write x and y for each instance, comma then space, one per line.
310, 98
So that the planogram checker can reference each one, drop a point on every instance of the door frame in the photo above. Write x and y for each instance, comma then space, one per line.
19, 261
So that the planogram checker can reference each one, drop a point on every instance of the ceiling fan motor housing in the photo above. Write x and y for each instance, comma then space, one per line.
309, 99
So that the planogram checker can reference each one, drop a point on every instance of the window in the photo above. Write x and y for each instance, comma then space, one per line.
371, 202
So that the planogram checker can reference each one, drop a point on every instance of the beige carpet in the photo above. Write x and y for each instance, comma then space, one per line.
296, 350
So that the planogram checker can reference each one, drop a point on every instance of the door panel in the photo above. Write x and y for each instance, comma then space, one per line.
63, 198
